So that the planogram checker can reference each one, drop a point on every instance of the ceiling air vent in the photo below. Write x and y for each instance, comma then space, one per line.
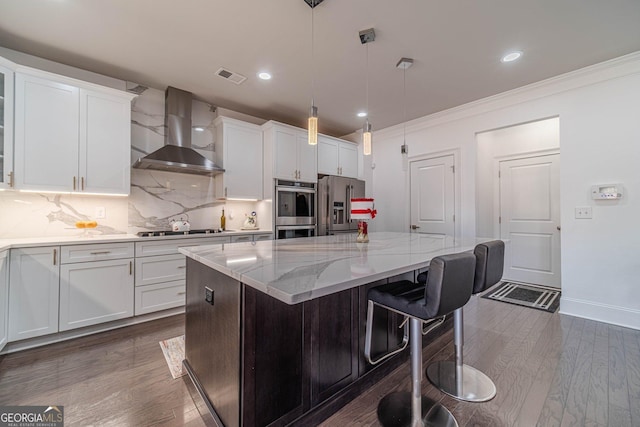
231, 76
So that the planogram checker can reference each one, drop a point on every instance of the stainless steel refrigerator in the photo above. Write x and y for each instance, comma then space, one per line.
334, 204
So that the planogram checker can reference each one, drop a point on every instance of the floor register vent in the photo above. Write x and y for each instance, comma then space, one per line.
231, 76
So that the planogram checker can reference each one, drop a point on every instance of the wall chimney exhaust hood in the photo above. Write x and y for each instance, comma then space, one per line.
177, 154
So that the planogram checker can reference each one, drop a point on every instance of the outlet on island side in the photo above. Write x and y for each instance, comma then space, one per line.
208, 295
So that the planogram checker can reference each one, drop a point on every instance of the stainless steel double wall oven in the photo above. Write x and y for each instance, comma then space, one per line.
295, 209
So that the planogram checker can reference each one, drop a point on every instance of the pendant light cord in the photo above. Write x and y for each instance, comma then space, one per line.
367, 79
404, 101
313, 82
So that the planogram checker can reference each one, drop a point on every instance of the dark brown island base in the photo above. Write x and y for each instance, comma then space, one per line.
275, 331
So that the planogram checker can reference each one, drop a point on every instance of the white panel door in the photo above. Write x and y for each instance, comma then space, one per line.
285, 162
34, 284
4, 298
242, 161
46, 135
95, 292
530, 219
433, 196
307, 159
105, 143
327, 156
348, 160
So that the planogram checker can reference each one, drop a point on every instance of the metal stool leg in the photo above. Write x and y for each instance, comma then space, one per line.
457, 379
413, 409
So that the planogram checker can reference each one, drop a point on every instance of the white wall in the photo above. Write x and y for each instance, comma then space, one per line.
598, 111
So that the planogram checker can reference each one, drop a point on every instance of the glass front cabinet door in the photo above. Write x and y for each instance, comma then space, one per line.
6, 127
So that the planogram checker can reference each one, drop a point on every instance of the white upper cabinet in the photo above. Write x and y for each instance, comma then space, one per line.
6, 127
238, 149
70, 136
337, 157
288, 155
105, 143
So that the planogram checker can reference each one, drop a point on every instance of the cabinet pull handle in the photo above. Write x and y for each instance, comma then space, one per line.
181, 293
130, 268
100, 252
182, 266
11, 179
225, 192
82, 183
55, 256
74, 183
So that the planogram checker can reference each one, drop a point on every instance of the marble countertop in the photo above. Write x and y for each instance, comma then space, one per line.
109, 238
297, 270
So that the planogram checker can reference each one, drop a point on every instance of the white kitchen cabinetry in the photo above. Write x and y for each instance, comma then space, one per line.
34, 282
161, 273
96, 291
4, 298
70, 136
288, 155
238, 149
265, 236
6, 126
337, 157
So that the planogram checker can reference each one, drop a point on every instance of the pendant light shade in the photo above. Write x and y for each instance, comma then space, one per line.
313, 126
366, 138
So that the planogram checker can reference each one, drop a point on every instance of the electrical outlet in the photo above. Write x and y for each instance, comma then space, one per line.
101, 212
583, 212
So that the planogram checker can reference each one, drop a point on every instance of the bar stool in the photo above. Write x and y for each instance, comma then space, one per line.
448, 287
456, 379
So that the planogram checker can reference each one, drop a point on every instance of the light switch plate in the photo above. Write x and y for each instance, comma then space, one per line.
583, 212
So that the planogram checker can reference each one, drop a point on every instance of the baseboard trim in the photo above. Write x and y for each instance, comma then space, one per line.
614, 315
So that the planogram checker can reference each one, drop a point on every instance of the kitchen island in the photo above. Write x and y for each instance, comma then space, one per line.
275, 330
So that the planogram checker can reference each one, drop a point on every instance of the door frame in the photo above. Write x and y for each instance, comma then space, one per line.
457, 227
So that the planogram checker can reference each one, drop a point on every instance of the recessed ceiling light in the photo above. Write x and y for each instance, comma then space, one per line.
512, 56
198, 129
264, 75
362, 114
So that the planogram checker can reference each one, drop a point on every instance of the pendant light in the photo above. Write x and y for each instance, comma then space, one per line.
313, 114
403, 64
367, 36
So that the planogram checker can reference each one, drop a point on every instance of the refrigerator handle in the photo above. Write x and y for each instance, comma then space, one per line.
349, 187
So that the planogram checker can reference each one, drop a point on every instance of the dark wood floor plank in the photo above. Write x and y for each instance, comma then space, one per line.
575, 407
618, 387
598, 402
553, 408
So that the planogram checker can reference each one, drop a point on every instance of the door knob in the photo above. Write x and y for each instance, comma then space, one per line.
414, 227
558, 227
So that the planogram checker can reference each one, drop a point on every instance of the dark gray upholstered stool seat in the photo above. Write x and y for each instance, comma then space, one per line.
448, 287
454, 377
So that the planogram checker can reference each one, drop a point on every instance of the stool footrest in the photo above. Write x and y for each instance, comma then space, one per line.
461, 382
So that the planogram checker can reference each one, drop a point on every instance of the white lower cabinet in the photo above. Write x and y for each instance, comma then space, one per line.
161, 296
34, 282
4, 298
161, 272
95, 292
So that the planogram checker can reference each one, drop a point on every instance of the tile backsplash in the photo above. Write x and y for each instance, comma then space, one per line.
156, 197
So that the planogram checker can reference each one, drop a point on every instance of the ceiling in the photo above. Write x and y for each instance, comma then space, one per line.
456, 46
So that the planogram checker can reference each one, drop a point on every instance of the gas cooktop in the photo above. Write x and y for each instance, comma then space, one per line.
158, 233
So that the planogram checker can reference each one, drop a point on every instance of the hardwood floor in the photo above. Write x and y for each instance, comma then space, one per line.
549, 369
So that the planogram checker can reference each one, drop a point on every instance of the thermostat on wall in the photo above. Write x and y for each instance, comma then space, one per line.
607, 192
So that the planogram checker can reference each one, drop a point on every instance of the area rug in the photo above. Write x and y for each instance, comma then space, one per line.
173, 350
533, 296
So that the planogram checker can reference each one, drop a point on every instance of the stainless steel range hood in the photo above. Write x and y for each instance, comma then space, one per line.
177, 154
